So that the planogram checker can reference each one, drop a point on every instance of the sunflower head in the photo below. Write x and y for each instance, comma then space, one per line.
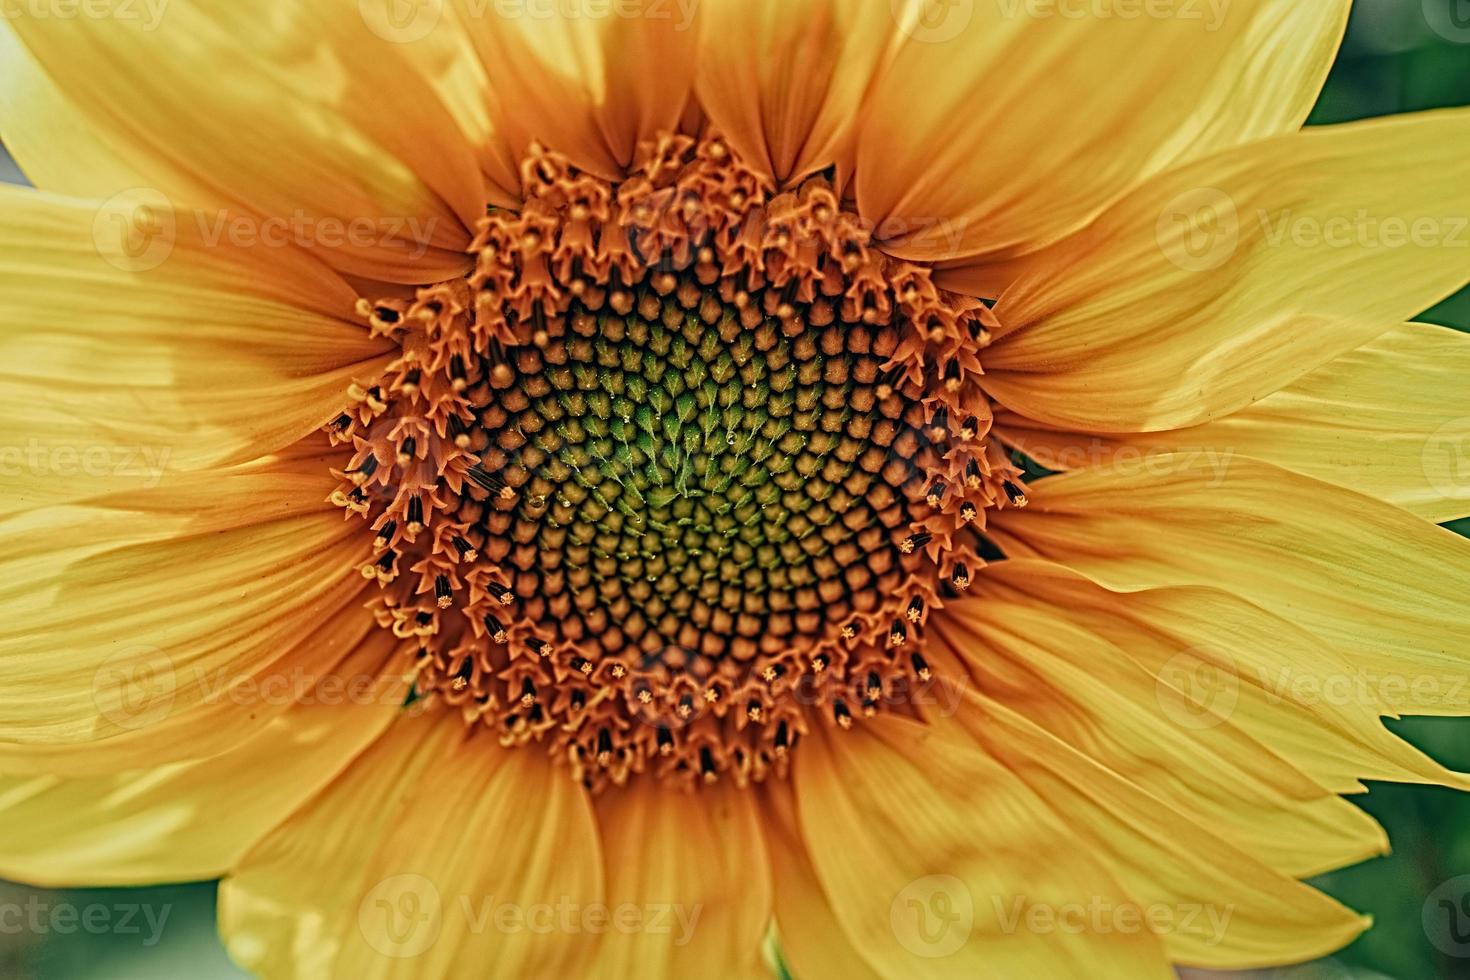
682, 459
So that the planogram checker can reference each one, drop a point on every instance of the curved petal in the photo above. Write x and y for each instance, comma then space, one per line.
1238, 663
785, 81
1212, 286
127, 614
1300, 261
434, 849
135, 345
1079, 686
1211, 904
295, 132
233, 703
1381, 586
933, 852
1390, 420
193, 820
696, 866
591, 86
1053, 124
811, 938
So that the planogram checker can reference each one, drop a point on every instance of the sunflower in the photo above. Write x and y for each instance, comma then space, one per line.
618, 489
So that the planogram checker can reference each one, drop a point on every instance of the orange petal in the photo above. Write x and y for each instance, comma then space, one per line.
932, 852
1076, 684
193, 820
136, 345
811, 939
126, 614
433, 850
1381, 586
1390, 419
1211, 904
1213, 286
785, 81
591, 87
695, 866
1001, 127
1274, 680
296, 133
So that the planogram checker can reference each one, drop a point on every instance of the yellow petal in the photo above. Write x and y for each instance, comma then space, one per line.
592, 87
932, 852
810, 937
433, 850
125, 614
1271, 678
295, 128
193, 820
134, 345
1212, 904
1213, 286
233, 705
697, 862
1383, 587
1390, 419
785, 81
1001, 127
1079, 686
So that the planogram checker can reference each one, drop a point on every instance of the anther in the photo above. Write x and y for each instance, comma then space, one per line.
385, 534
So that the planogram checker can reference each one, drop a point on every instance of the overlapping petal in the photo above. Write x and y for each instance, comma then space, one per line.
432, 850
1215, 285
1002, 126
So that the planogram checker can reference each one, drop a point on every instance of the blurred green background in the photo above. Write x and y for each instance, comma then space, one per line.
1401, 56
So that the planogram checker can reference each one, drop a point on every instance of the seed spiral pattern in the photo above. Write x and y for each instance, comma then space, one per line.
680, 468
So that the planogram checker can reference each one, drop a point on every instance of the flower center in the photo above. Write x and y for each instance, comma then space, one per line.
677, 471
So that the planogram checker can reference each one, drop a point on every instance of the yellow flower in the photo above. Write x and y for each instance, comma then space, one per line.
544, 489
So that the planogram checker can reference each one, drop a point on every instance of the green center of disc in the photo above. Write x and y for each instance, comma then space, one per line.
698, 491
